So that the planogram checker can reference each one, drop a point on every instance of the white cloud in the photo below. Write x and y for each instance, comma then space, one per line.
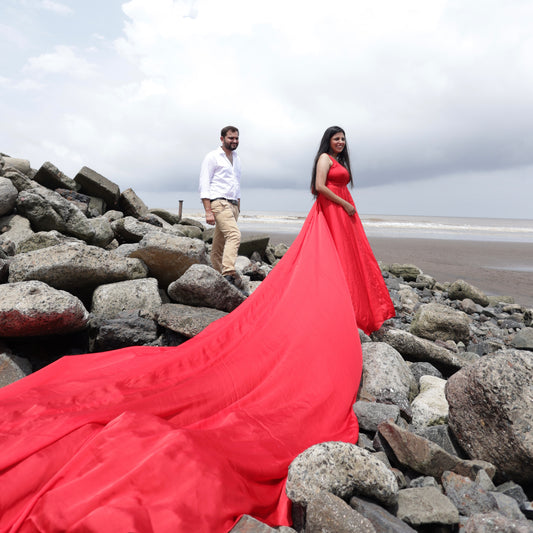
423, 89
63, 60
56, 7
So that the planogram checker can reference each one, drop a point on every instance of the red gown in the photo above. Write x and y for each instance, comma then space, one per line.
189, 438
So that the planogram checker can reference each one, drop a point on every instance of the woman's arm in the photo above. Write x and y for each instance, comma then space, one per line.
322, 168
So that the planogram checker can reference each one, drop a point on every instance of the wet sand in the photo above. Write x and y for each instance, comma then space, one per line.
497, 268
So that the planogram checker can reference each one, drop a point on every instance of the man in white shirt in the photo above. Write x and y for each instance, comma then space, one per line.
220, 191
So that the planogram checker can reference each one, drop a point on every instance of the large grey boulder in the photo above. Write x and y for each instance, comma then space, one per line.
439, 322
426, 506
33, 308
44, 239
47, 210
74, 266
495, 522
371, 414
187, 320
343, 469
21, 181
386, 376
381, 519
94, 184
424, 456
328, 513
406, 271
103, 232
523, 340
11, 367
248, 524
51, 177
16, 230
203, 286
461, 290
129, 229
8, 196
21, 165
131, 205
490, 406
469, 497
414, 348
169, 256
128, 328
430, 407
250, 244
111, 299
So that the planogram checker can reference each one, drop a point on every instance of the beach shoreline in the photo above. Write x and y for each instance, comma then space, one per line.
497, 268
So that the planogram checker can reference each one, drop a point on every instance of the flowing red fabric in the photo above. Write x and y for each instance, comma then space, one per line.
190, 438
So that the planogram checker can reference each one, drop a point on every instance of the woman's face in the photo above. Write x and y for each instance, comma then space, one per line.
337, 143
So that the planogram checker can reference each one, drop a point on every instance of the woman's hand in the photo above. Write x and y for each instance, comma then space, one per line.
349, 208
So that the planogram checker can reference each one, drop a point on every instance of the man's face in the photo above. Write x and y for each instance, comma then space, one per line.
231, 140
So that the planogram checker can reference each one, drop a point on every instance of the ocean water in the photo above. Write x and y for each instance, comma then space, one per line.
399, 226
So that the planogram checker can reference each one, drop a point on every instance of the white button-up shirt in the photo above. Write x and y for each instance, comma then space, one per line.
219, 178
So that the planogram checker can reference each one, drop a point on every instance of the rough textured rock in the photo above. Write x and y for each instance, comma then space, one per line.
494, 522
421, 506
439, 322
74, 266
47, 210
327, 513
187, 320
129, 328
248, 524
407, 272
33, 308
490, 412
44, 239
381, 519
50, 176
467, 495
131, 205
251, 244
10, 371
8, 196
169, 256
371, 414
202, 286
460, 290
342, 469
111, 299
95, 184
14, 230
523, 340
17, 163
414, 348
430, 407
386, 376
422, 455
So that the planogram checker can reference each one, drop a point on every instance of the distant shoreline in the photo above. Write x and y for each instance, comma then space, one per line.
497, 268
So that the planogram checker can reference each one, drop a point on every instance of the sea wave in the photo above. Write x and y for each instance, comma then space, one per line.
477, 229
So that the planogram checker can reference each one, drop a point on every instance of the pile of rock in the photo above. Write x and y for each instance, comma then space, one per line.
445, 410
445, 405
85, 267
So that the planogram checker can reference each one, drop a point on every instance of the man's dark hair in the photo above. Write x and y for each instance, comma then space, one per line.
224, 131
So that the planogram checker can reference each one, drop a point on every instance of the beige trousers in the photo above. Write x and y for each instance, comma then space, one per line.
227, 236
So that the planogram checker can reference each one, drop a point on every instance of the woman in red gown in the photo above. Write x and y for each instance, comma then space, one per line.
190, 438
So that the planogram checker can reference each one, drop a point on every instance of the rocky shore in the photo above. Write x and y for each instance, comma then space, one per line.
445, 405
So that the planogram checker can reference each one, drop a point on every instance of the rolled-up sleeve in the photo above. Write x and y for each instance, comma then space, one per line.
206, 173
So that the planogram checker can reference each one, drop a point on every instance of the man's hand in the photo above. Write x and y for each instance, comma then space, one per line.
210, 218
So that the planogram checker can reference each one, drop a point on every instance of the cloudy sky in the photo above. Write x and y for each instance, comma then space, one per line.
436, 96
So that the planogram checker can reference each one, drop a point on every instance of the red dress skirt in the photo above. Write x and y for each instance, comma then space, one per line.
190, 438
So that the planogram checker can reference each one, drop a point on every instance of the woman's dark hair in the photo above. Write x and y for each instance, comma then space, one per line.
324, 148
